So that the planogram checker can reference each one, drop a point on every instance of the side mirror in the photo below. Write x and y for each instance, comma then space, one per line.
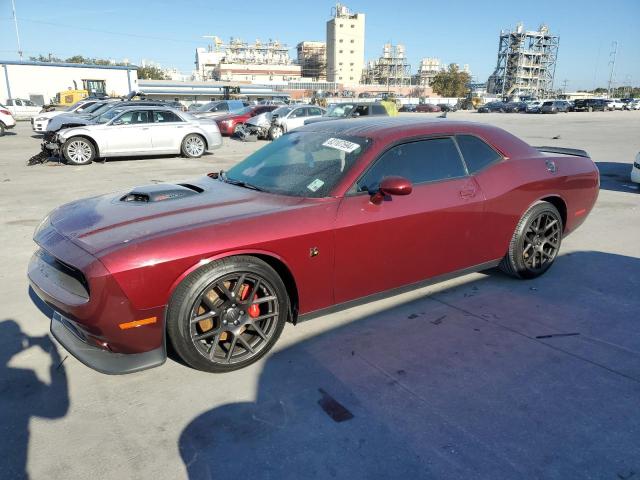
392, 186
117, 122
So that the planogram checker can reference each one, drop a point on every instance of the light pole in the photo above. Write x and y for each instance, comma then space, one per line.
15, 22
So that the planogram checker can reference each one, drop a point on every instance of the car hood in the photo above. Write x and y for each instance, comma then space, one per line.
106, 223
262, 119
67, 118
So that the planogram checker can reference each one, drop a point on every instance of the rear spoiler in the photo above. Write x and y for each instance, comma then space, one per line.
564, 151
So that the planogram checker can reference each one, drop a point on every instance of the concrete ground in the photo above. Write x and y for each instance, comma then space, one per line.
479, 377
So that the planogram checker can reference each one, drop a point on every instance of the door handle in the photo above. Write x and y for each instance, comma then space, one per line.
145, 128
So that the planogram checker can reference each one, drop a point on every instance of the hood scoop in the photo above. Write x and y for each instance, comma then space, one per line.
160, 192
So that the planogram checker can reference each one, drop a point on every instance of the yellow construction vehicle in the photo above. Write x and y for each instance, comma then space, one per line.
69, 97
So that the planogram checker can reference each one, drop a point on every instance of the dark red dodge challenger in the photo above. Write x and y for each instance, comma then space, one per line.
329, 215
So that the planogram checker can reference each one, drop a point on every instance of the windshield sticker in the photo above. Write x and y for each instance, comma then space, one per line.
315, 185
342, 145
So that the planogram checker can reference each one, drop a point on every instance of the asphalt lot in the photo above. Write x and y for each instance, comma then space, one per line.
480, 377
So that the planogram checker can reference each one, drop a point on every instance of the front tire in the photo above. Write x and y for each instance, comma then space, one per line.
78, 151
535, 242
227, 314
275, 132
1, 129
193, 146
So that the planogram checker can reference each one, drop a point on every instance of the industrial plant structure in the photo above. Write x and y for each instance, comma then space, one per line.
391, 69
526, 63
242, 61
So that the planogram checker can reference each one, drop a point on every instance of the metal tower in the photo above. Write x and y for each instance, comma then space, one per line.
526, 63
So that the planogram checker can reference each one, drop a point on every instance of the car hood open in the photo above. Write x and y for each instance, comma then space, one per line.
112, 221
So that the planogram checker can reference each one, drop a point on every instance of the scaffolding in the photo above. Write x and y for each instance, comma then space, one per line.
526, 63
391, 69
312, 57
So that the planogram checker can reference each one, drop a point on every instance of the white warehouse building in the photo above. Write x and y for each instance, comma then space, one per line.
41, 81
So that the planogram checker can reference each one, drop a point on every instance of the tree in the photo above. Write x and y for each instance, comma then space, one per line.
151, 72
451, 82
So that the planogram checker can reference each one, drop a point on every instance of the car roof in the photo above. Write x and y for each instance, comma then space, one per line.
145, 107
392, 128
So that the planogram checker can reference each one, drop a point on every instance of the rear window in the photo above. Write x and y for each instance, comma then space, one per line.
476, 153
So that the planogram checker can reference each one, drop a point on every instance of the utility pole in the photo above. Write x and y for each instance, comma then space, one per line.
564, 86
612, 62
15, 22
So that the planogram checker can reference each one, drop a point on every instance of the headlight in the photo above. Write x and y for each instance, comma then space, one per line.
45, 223
41, 119
227, 123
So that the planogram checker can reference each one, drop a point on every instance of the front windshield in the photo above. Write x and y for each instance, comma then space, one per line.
74, 107
339, 110
108, 115
206, 107
300, 164
94, 107
104, 108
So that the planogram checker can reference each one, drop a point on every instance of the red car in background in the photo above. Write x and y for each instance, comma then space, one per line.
229, 123
327, 216
428, 107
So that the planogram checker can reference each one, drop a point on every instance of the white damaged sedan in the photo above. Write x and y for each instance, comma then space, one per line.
136, 131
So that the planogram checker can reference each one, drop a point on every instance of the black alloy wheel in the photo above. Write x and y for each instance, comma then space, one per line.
228, 314
535, 243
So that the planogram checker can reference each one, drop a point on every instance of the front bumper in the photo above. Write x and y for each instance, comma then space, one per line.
91, 308
103, 361
225, 129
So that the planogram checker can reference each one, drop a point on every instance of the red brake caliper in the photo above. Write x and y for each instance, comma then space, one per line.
254, 310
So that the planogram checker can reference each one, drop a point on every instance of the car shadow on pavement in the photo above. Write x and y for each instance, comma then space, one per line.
616, 177
24, 396
489, 378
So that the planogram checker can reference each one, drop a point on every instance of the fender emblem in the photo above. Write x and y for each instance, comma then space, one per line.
314, 252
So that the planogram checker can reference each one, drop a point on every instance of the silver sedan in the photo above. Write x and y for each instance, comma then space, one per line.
137, 131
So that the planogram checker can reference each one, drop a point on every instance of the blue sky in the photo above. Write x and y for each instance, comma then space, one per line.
168, 31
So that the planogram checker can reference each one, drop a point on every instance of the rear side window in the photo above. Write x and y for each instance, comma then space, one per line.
420, 162
165, 117
476, 153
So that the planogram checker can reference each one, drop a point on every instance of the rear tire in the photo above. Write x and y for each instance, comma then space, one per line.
193, 146
78, 151
228, 314
535, 242
1, 129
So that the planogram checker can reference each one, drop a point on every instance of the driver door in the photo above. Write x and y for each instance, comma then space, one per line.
407, 239
129, 133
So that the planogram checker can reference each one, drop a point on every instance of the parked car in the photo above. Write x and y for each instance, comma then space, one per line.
194, 106
137, 130
219, 107
6, 120
216, 266
515, 107
21, 108
590, 105
286, 119
534, 106
492, 107
633, 105
278, 103
93, 113
635, 170
447, 107
554, 106
40, 121
408, 107
427, 107
616, 104
230, 123
339, 111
